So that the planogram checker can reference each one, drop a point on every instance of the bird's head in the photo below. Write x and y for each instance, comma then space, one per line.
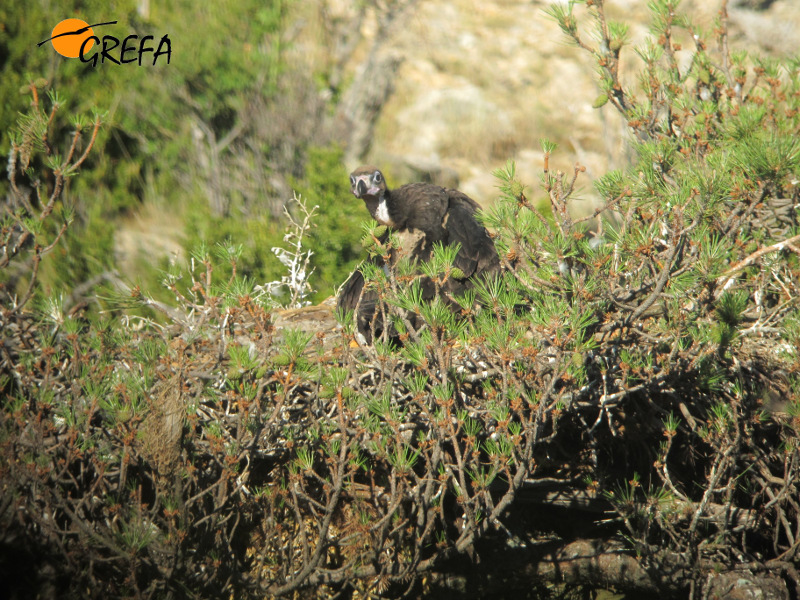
367, 183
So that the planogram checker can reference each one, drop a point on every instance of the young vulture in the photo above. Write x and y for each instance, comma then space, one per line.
421, 214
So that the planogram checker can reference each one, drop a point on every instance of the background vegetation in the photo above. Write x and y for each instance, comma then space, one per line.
621, 411
209, 147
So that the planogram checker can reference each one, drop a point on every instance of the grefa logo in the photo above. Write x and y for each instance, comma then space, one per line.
75, 38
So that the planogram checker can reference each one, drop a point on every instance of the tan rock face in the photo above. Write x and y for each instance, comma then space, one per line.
483, 80
776, 29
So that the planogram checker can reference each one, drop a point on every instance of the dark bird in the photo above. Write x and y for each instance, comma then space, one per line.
421, 215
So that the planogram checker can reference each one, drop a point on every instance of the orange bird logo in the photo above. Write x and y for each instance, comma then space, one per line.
70, 34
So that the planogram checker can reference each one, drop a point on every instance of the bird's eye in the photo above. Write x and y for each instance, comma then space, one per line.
352, 180
377, 177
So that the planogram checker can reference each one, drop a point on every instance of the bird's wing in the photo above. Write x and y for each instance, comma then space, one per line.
350, 292
352, 296
477, 254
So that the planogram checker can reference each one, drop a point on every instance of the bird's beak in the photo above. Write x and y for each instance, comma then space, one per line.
363, 188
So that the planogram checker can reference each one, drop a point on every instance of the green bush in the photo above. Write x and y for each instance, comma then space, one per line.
336, 237
149, 150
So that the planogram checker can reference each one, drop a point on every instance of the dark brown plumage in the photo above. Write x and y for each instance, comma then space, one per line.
421, 214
